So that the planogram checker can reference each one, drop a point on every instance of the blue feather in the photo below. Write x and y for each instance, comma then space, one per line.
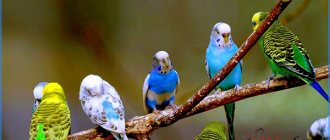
110, 111
318, 88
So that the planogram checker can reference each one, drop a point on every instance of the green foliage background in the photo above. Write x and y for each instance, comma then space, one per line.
63, 41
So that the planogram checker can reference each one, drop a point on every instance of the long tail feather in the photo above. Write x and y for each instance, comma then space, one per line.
230, 110
317, 87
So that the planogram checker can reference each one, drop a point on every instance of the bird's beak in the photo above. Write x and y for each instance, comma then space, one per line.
226, 37
165, 63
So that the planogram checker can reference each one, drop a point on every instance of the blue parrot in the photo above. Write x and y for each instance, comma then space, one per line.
220, 50
161, 84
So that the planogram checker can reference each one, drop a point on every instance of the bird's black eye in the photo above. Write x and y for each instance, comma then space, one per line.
254, 23
217, 32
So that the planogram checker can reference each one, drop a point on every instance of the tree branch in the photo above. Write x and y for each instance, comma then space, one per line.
138, 126
144, 125
289, 17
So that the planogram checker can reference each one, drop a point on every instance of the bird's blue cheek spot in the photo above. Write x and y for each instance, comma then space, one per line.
159, 68
254, 23
218, 40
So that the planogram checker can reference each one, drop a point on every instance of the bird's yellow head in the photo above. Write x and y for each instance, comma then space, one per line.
257, 19
54, 88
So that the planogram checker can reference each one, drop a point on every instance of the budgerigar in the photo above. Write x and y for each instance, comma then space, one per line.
213, 131
220, 50
161, 84
51, 120
319, 130
37, 92
285, 53
102, 105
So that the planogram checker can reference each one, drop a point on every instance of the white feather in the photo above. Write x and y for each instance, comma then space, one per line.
37, 91
161, 55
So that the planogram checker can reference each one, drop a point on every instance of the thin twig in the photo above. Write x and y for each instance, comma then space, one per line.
289, 17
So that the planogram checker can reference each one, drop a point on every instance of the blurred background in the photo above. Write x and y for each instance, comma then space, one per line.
63, 41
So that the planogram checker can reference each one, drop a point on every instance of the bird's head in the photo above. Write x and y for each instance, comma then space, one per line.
162, 62
91, 85
37, 91
257, 19
221, 34
53, 89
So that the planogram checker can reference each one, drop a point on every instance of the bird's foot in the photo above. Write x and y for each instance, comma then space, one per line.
157, 112
173, 106
236, 88
271, 77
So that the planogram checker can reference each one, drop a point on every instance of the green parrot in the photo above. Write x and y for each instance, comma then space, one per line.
213, 131
285, 53
51, 120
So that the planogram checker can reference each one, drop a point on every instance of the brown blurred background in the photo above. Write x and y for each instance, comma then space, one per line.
63, 41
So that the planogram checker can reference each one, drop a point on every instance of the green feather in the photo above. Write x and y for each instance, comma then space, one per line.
285, 53
40, 132
212, 131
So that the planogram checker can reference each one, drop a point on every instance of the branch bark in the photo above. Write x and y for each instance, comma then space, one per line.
141, 127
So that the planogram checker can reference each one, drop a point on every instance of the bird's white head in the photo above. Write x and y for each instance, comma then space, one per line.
221, 34
162, 62
90, 86
37, 91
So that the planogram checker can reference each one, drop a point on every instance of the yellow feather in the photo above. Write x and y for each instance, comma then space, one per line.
256, 20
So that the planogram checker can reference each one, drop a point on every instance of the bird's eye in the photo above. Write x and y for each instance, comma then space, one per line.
254, 23
218, 32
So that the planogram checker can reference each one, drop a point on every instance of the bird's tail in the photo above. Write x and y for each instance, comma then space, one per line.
319, 89
230, 110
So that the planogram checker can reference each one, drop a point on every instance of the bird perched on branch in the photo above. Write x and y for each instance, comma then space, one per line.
102, 105
51, 120
37, 92
213, 131
220, 50
285, 53
161, 84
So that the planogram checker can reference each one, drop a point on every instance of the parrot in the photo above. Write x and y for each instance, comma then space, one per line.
319, 130
102, 104
285, 53
37, 92
220, 50
161, 84
51, 120
212, 131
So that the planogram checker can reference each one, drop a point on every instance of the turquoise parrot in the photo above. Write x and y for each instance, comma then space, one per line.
220, 50
212, 131
102, 105
161, 84
285, 53
51, 120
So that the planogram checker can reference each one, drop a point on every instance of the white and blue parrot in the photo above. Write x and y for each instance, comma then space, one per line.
103, 106
319, 130
161, 84
220, 50
37, 92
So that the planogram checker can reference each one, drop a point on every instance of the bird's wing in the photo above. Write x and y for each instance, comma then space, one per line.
283, 47
144, 92
56, 120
